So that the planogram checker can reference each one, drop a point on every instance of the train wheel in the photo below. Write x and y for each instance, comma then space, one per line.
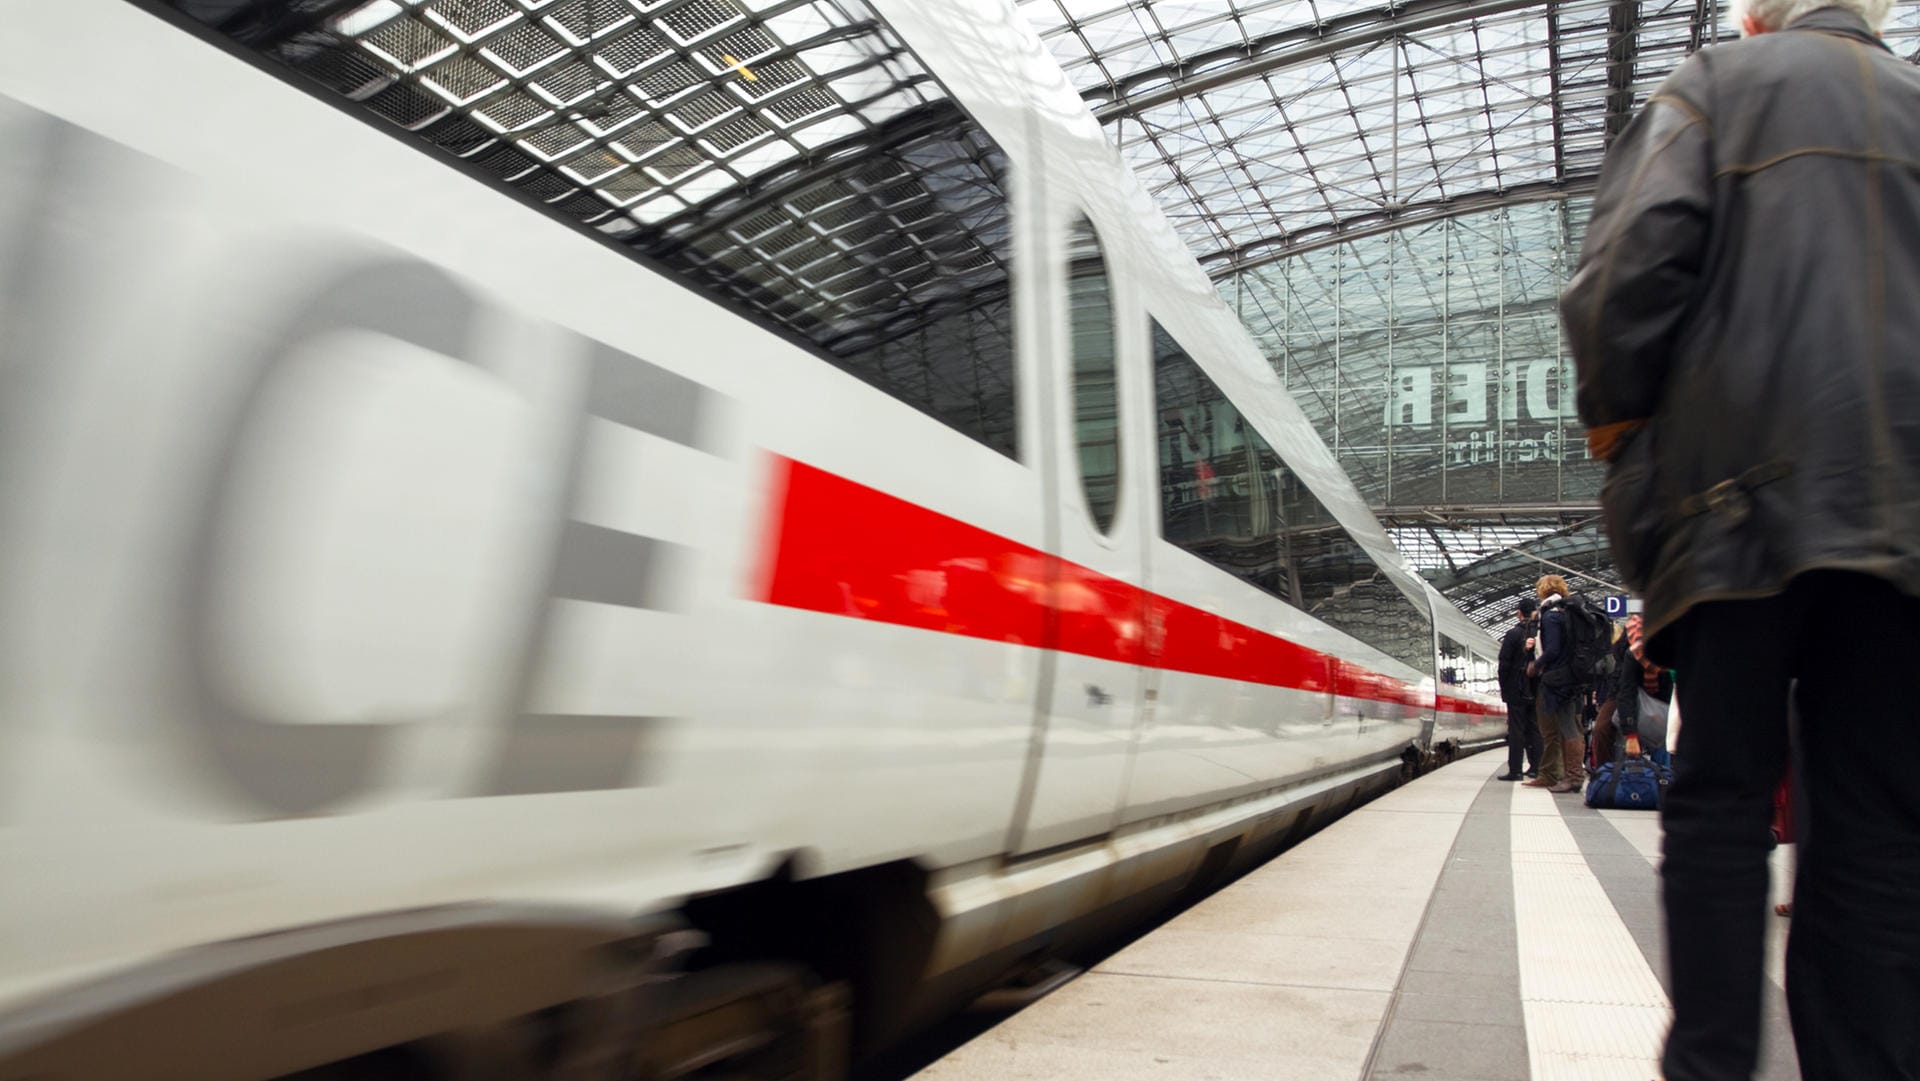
738, 1022
765, 1022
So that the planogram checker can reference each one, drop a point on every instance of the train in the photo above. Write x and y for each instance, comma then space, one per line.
630, 538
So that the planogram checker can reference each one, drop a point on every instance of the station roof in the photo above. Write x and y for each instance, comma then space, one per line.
1486, 567
1269, 126
1274, 131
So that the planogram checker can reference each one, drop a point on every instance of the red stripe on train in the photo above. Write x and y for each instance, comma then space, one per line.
842, 548
1450, 704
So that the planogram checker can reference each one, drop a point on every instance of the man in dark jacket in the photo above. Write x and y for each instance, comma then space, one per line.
1562, 693
1744, 327
1516, 690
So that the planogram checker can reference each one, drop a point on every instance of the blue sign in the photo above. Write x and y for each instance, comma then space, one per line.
1616, 606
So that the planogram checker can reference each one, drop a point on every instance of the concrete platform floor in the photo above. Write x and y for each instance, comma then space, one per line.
1456, 929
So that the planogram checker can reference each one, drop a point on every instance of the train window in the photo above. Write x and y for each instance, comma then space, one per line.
1096, 405
1462, 667
1219, 481
796, 161
1226, 496
1453, 663
1483, 674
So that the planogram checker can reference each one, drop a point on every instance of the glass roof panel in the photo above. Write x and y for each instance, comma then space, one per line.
1337, 114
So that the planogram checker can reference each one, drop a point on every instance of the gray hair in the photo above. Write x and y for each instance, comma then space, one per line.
1778, 14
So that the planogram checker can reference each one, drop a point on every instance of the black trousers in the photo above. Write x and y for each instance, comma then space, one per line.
1853, 955
1523, 736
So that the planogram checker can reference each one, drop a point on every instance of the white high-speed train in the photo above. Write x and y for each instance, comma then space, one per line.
633, 532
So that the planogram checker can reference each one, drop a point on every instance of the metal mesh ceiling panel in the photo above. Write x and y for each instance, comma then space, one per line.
790, 153
1269, 126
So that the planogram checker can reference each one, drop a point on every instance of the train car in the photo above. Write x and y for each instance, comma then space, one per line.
1469, 714
622, 538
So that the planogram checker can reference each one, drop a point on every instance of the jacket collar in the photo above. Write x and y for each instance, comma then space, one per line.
1838, 20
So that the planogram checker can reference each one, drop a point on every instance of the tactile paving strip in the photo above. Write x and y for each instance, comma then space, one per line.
1594, 1011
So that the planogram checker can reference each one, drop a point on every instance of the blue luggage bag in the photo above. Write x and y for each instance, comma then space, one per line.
1628, 783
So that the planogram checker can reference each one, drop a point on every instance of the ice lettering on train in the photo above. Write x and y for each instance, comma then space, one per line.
294, 769
549, 752
287, 767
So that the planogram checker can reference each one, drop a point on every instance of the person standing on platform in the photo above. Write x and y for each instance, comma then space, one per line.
1641, 692
1600, 738
1551, 768
1561, 692
1516, 690
1743, 331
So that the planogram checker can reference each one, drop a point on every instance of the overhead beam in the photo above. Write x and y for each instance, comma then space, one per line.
1370, 343
1557, 104
1444, 552
1561, 546
1453, 515
1623, 48
1706, 26
1140, 91
1260, 253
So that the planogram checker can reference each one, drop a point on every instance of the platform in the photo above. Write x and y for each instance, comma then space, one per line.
1456, 929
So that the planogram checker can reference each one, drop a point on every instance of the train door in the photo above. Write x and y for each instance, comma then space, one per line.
1090, 694
1428, 694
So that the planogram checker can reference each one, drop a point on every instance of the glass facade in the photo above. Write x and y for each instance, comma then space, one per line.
1431, 358
1228, 498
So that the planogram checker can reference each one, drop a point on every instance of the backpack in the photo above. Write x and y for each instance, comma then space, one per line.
1589, 644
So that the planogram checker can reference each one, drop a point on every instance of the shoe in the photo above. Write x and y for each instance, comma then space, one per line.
1508, 777
1565, 787
1537, 783
1576, 774
1533, 773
